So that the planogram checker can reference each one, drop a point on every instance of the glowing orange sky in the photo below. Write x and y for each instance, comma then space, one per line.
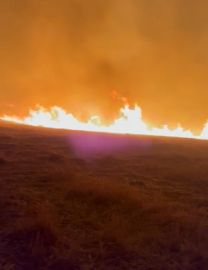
73, 53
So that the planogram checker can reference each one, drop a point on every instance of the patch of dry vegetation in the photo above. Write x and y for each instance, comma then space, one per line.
2, 161
91, 224
62, 212
127, 230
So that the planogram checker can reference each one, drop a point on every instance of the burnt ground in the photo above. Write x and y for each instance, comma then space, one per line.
76, 200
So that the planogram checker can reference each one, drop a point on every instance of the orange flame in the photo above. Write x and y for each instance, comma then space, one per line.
129, 122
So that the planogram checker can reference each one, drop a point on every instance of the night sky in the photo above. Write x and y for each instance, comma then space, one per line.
73, 53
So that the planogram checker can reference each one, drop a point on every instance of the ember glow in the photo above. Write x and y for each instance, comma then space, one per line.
129, 122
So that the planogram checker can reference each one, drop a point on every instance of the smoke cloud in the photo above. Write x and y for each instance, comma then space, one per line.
73, 53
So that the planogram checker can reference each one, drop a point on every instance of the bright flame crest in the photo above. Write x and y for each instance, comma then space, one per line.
129, 122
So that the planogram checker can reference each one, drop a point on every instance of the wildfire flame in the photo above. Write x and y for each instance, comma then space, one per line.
129, 122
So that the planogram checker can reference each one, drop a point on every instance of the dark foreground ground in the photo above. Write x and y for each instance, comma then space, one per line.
72, 200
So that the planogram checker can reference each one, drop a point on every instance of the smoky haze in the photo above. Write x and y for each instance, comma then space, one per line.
72, 53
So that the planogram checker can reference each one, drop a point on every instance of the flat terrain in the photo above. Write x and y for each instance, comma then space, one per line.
76, 201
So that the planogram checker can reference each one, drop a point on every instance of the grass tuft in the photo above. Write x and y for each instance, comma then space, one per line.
3, 161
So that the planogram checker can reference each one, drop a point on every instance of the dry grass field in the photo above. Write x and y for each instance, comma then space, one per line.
78, 201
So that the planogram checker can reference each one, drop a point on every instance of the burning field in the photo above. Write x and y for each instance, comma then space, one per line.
92, 179
90, 200
129, 122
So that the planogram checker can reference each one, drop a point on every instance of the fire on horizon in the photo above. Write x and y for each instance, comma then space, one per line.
129, 122
72, 53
